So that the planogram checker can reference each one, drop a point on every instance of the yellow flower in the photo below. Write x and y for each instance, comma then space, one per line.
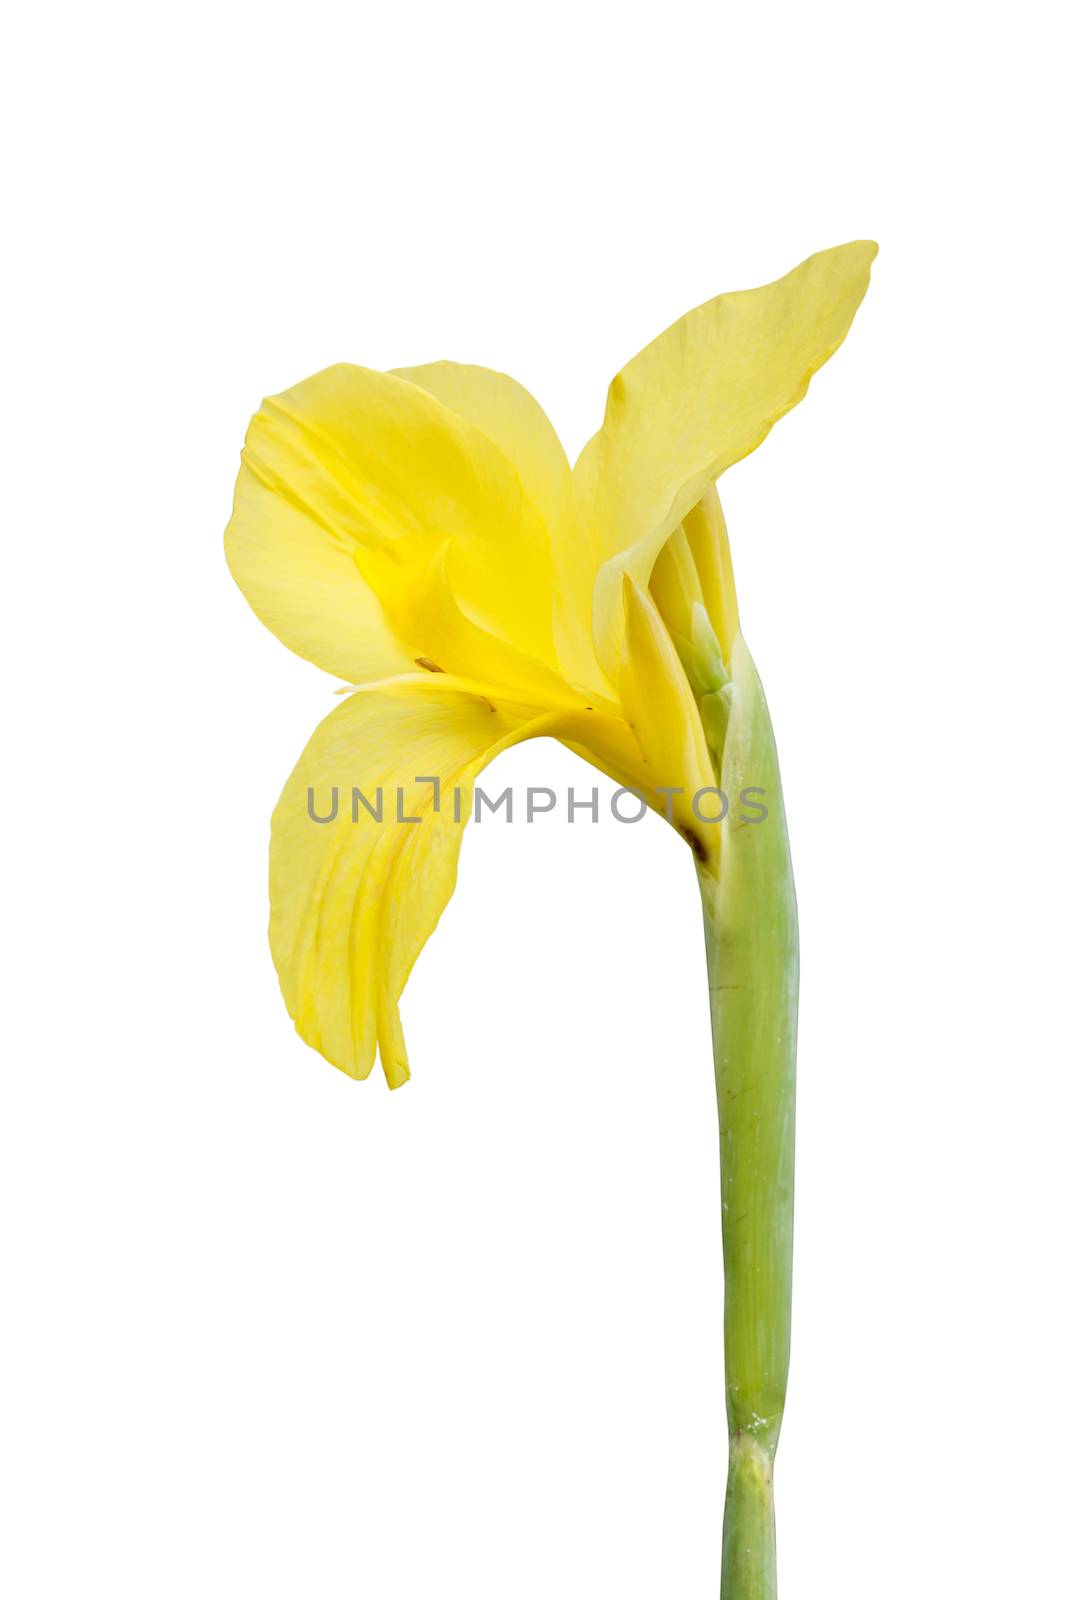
421, 535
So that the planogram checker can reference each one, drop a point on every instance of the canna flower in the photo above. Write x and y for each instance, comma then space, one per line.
421, 535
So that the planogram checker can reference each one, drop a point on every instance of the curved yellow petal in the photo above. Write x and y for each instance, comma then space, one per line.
352, 901
659, 706
512, 418
696, 400
357, 478
514, 421
304, 584
427, 608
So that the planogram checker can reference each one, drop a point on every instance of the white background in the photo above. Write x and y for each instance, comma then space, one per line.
273, 1333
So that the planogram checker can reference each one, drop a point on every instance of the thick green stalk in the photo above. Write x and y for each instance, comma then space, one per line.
751, 933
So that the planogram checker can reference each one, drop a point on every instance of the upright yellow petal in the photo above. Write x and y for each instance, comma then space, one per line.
705, 533
696, 400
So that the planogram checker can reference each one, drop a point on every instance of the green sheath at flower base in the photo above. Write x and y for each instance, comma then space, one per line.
751, 932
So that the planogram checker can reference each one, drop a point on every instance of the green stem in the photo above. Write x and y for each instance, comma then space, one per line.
751, 934
748, 1549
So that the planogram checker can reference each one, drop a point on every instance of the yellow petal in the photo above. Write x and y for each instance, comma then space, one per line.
514, 421
357, 477
353, 902
696, 400
705, 534
304, 583
692, 582
660, 708
675, 582
427, 608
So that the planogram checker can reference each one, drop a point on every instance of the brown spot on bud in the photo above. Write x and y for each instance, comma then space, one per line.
695, 843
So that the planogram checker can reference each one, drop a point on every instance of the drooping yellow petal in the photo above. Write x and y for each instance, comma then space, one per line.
354, 901
357, 477
658, 703
696, 400
514, 421
346, 910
